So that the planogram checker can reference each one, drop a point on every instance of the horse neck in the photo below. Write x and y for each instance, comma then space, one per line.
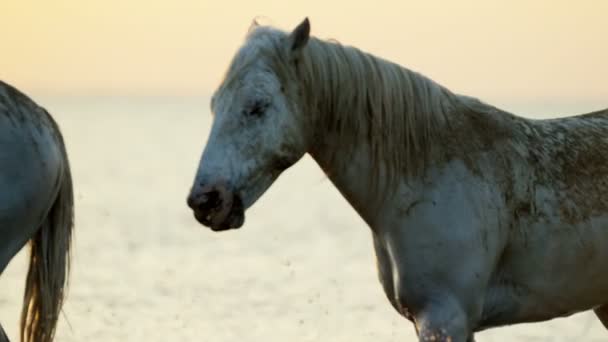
352, 174
370, 183
367, 146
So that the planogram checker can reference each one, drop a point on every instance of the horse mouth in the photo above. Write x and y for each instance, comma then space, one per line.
225, 217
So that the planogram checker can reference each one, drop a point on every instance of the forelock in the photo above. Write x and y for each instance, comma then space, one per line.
262, 43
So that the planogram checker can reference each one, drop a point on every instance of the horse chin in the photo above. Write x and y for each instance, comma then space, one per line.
235, 220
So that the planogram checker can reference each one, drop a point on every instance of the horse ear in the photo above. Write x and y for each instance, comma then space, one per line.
300, 35
253, 26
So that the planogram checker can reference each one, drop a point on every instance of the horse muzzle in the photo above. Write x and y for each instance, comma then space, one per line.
217, 206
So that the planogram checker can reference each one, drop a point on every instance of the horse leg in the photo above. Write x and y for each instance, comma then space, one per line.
23, 207
443, 288
385, 274
16, 226
3, 337
602, 313
19, 220
438, 320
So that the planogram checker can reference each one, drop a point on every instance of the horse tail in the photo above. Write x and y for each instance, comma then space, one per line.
49, 263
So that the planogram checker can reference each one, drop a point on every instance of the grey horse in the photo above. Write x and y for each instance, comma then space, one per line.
480, 218
36, 205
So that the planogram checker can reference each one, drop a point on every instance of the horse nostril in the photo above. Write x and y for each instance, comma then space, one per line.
209, 200
203, 201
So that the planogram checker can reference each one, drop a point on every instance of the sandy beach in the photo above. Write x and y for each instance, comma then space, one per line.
301, 269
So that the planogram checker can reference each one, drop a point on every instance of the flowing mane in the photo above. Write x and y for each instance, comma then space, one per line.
356, 95
395, 109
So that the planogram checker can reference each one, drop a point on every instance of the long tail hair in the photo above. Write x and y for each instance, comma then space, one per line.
49, 264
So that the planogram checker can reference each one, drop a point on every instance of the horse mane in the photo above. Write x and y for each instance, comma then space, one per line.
356, 95
396, 110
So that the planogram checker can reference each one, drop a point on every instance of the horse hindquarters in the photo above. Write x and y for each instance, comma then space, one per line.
26, 205
49, 265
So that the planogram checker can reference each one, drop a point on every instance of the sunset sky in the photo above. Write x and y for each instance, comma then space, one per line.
505, 50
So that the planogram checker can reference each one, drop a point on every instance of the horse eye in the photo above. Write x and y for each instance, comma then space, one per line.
257, 109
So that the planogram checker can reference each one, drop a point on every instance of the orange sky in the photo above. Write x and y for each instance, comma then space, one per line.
510, 50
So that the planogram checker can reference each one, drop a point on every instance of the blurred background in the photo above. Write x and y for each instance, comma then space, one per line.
129, 82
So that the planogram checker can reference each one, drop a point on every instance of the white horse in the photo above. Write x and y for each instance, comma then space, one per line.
36, 204
480, 218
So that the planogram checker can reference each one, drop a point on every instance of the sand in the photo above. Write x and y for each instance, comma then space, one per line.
301, 269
